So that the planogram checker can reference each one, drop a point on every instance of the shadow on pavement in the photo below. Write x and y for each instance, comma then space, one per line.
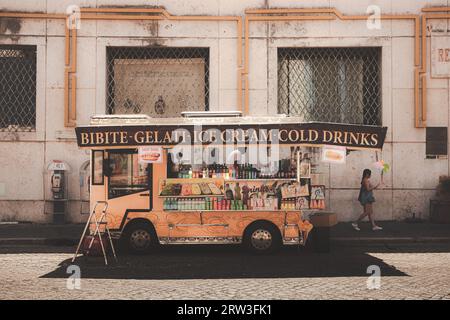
228, 262
38, 249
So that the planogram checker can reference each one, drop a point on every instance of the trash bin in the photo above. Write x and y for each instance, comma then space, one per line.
321, 233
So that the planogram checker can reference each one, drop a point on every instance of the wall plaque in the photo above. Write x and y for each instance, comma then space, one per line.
440, 55
159, 87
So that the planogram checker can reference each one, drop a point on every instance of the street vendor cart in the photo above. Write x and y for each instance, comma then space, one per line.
213, 178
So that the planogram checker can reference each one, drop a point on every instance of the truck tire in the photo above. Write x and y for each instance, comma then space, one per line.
262, 238
139, 238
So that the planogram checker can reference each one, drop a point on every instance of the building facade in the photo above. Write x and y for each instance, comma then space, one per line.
365, 62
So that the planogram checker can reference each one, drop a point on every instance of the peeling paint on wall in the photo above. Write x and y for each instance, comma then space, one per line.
154, 42
12, 25
298, 27
150, 26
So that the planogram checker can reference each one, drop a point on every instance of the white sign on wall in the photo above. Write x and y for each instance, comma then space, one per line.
150, 154
57, 165
440, 55
334, 154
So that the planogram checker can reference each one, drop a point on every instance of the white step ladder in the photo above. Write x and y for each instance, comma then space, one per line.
98, 232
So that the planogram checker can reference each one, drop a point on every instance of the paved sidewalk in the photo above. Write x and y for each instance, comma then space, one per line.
393, 231
410, 271
40, 234
342, 233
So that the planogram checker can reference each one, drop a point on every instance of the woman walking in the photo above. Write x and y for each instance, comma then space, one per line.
366, 199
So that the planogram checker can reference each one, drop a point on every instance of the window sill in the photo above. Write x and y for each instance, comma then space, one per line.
436, 157
22, 136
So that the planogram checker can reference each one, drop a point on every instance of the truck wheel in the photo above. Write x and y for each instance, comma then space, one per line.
139, 238
262, 238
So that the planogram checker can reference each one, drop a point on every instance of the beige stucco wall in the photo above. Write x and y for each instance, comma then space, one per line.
409, 184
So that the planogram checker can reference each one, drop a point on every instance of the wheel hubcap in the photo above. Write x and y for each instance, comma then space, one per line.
140, 239
261, 239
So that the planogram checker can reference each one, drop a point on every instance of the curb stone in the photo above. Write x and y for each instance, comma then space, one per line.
340, 240
39, 241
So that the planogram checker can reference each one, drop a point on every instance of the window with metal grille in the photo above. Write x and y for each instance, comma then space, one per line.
436, 142
160, 82
17, 88
330, 84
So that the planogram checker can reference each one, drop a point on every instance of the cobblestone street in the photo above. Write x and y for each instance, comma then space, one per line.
407, 272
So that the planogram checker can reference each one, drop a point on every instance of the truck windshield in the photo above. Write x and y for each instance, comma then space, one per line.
127, 175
